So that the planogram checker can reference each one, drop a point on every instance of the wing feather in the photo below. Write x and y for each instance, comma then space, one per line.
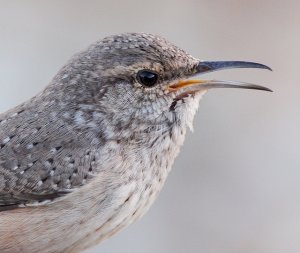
41, 160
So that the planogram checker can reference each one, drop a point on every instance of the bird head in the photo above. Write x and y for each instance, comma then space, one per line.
141, 82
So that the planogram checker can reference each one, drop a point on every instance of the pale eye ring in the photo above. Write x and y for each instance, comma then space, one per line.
147, 78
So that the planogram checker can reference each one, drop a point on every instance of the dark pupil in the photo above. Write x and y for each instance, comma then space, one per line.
147, 78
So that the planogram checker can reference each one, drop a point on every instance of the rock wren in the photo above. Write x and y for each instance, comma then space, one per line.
89, 154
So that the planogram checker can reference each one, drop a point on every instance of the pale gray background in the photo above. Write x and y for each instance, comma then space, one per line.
235, 187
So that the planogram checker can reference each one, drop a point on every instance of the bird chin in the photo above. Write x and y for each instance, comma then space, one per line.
187, 108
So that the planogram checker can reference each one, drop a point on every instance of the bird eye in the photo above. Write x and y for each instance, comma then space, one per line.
147, 78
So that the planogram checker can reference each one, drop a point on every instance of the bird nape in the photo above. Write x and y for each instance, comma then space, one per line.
90, 153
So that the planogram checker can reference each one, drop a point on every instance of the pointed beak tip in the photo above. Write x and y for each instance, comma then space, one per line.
262, 88
267, 68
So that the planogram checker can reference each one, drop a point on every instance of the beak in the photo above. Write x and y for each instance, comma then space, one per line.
194, 85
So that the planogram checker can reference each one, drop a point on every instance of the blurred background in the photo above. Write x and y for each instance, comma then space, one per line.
235, 188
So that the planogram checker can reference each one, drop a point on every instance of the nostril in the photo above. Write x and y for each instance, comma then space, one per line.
201, 68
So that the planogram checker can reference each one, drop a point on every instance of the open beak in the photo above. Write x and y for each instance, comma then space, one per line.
194, 85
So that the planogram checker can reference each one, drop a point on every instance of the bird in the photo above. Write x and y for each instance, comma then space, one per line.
89, 154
